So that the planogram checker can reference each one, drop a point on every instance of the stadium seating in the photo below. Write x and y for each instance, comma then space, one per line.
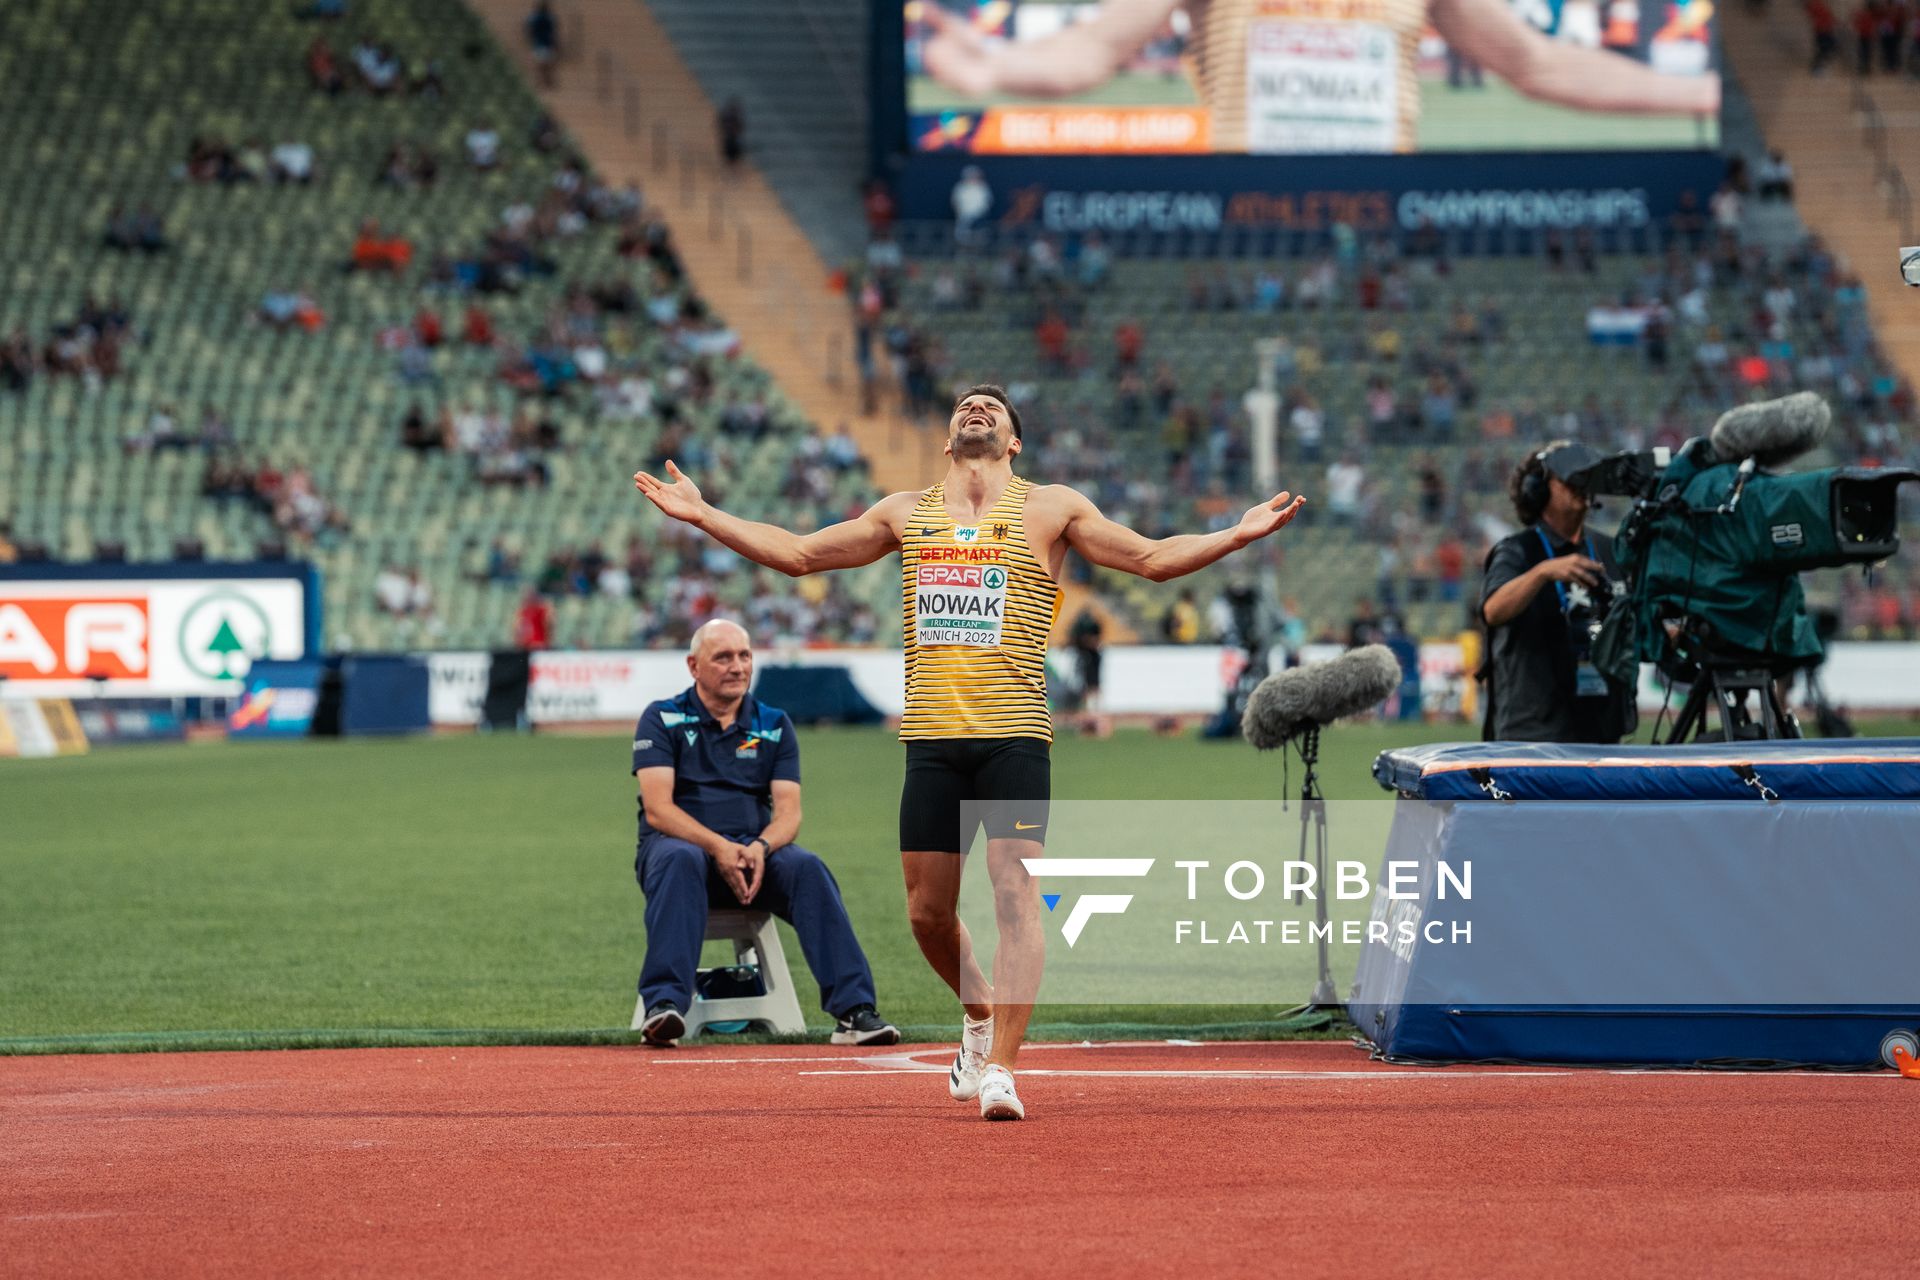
1546, 368
104, 106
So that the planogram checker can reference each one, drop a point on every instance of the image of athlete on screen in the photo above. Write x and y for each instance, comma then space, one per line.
1286, 76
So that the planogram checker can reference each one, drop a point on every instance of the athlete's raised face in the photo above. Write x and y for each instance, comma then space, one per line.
981, 427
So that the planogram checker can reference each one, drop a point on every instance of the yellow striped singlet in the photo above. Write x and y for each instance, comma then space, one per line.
979, 608
1290, 76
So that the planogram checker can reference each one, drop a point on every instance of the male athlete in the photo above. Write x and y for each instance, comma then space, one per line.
981, 555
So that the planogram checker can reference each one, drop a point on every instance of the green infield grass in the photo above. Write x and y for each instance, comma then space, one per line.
476, 889
460, 887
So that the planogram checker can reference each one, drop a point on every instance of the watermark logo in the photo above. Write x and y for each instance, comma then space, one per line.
1087, 905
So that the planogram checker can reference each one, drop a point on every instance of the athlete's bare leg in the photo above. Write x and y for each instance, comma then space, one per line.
1022, 953
933, 900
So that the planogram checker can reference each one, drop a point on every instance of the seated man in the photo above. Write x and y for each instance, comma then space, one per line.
719, 808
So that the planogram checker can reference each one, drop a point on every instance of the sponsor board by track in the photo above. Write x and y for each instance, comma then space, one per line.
280, 700
564, 687
137, 636
616, 685
125, 720
38, 727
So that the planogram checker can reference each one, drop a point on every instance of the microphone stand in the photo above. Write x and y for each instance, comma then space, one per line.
1313, 820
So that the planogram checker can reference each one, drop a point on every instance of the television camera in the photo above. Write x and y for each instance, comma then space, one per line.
1712, 547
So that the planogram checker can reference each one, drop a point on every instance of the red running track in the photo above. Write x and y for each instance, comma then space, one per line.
1177, 1160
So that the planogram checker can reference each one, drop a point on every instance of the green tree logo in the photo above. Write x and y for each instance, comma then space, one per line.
224, 645
222, 633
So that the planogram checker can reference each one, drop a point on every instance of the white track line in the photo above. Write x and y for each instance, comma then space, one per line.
1030, 1048
1230, 1073
911, 1063
732, 1062
1418, 1073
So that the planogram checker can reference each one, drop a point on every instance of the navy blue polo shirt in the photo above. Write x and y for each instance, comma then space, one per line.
723, 778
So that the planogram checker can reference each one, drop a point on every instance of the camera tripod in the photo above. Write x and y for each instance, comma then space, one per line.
1313, 839
1725, 687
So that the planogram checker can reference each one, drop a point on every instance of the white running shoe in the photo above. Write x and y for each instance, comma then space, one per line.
976, 1039
998, 1101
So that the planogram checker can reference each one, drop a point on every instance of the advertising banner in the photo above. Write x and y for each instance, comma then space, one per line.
616, 685
131, 720
138, 631
1226, 196
279, 701
456, 686
40, 727
601, 685
582, 687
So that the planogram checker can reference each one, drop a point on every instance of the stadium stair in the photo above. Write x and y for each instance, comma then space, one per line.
799, 69
1772, 225
1821, 125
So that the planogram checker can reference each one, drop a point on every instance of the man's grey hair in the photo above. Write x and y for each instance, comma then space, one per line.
698, 641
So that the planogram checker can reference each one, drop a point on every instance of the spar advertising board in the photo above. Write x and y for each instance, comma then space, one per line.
151, 630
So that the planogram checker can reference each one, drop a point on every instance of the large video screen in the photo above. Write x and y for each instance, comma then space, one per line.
1295, 77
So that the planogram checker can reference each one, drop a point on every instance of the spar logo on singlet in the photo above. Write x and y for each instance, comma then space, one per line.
959, 604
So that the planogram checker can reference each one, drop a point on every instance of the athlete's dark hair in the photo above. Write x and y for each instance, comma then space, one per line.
998, 393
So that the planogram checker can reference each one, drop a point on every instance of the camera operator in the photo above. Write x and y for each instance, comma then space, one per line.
1545, 590
1241, 619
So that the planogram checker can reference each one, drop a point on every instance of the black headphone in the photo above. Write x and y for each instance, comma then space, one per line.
1534, 489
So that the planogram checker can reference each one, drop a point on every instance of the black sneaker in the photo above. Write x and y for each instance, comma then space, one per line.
663, 1026
861, 1025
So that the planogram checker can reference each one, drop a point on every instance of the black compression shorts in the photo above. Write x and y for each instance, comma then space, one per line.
1009, 780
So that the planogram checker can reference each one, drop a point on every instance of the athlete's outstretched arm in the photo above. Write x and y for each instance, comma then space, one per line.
846, 545
1072, 60
1554, 71
1114, 546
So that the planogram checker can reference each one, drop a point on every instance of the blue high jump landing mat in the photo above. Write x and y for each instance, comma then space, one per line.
1747, 903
